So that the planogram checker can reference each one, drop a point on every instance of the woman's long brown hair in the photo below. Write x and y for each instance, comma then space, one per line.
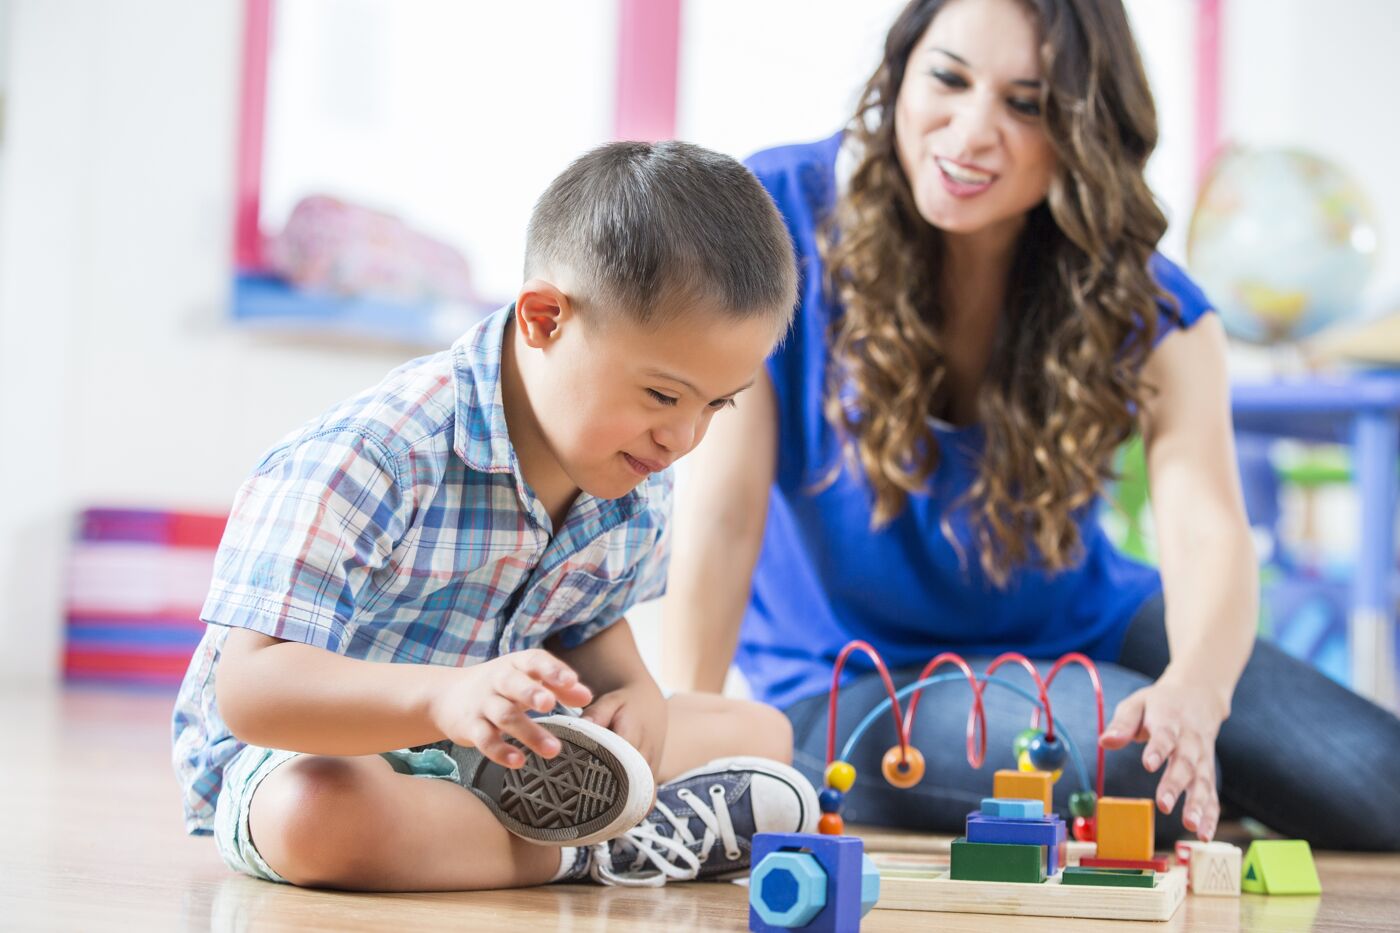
1064, 381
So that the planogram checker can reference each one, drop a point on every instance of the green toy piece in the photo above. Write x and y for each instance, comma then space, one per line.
1279, 866
1109, 877
996, 861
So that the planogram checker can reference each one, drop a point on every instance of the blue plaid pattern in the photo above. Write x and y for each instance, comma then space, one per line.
397, 527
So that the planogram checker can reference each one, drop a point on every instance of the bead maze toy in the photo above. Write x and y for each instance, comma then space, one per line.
1012, 858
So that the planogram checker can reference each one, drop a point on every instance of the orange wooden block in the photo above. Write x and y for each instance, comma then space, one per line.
1125, 828
1024, 785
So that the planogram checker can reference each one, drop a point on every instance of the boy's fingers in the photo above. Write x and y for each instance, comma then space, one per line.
1202, 802
526, 692
545, 667
512, 720
602, 711
489, 742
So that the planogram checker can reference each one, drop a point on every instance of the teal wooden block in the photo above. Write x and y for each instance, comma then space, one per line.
1108, 877
992, 861
1010, 808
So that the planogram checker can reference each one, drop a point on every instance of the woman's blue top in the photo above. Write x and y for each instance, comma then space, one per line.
824, 577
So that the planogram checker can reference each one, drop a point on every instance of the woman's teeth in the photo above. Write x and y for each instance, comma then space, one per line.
964, 176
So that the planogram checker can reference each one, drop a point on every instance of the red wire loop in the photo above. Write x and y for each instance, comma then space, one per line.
977, 715
1075, 657
836, 691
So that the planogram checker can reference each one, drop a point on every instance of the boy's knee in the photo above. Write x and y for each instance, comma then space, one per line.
770, 728
310, 818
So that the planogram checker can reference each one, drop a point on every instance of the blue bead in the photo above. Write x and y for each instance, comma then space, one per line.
1047, 754
830, 800
1023, 740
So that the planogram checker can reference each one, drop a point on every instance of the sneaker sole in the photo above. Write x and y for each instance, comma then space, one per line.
596, 788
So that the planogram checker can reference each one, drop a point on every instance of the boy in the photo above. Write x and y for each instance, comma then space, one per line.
407, 577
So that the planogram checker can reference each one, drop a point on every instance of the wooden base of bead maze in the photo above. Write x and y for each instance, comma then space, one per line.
909, 888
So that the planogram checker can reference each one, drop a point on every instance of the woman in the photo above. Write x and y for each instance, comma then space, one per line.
984, 321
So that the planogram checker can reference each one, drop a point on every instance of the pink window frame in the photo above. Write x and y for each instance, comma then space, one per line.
648, 53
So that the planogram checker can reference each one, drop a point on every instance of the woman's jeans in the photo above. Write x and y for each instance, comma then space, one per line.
1300, 753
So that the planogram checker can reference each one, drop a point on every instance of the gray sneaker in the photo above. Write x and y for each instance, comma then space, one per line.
703, 825
596, 788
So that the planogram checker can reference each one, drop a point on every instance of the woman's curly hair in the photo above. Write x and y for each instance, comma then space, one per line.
1064, 382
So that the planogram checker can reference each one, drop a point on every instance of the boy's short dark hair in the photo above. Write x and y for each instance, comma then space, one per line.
650, 226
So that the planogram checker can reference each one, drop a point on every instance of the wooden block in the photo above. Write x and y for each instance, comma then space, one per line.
1124, 828
1024, 785
1279, 866
1151, 864
936, 891
1109, 877
1047, 832
1214, 869
989, 861
1010, 808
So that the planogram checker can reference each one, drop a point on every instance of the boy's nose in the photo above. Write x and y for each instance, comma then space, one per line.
678, 437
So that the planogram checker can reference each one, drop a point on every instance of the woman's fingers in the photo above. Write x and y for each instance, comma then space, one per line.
1126, 724
1179, 774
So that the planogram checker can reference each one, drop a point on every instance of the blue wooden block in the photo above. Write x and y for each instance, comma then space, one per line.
1048, 831
1009, 808
785, 887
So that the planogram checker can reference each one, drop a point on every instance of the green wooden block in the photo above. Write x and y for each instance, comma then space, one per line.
1109, 877
995, 861
1279, 866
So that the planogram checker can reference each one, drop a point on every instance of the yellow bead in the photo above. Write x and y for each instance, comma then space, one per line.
902, 771
1023, 761
840, 775
831, 824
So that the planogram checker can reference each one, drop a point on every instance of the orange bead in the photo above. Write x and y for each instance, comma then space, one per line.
902, 771
831, 824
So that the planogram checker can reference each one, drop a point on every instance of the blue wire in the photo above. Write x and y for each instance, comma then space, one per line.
939, 678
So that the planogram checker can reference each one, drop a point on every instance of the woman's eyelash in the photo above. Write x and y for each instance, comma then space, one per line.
948, 78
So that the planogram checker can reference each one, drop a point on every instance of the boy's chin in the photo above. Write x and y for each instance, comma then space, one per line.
610, 487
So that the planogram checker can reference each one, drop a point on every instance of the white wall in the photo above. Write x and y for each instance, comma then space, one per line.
120, 382
1322, 76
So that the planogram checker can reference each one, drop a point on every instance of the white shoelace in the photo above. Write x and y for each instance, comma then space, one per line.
671, 857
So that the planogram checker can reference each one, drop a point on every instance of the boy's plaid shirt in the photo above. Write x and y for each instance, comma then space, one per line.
397, 527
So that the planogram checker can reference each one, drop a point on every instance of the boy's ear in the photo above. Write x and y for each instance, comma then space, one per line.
540, 310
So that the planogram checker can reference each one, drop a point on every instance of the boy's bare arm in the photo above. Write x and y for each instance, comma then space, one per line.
609, 660
288, 695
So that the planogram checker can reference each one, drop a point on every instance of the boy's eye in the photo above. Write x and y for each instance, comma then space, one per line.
719, 403
663, 399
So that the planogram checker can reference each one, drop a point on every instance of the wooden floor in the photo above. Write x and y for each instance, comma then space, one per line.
91, 839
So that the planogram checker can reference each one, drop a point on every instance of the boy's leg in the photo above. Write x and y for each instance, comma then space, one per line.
704, 726
357, 824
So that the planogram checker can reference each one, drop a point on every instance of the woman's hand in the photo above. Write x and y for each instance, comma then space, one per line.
637, 712
1179, 720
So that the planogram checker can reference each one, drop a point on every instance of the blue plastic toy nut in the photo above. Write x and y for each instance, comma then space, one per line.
788, 889
869, 884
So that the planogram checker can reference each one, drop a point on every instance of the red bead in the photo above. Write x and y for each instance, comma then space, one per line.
831, 824
1084, 828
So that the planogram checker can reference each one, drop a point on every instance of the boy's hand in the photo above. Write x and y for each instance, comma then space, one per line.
1179, 721
488, 701
636, 712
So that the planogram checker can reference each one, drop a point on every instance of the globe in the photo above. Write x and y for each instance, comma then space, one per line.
1282, 241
